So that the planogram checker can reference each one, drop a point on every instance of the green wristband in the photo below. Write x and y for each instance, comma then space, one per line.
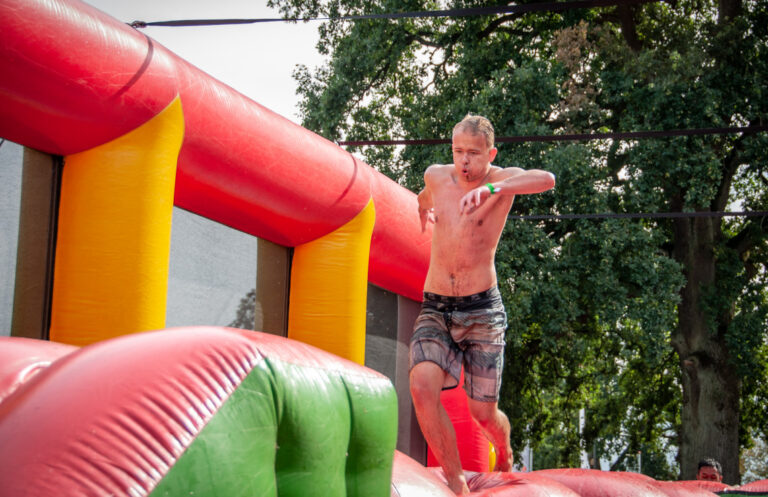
491, 188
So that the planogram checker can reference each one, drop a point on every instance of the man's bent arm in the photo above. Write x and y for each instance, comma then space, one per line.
424, 198
517, 182
522, 182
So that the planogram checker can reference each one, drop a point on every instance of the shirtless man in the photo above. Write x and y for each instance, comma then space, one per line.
462, 318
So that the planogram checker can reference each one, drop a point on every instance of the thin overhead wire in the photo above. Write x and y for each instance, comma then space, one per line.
641, 215
632, 135
465, 12
601, 136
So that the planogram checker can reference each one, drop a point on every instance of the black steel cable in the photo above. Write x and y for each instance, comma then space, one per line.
641, 215
465, 12
632, 135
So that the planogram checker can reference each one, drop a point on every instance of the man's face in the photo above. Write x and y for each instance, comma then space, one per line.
471, 156
708, 473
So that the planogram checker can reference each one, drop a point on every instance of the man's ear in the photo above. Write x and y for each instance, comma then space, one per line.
492, 154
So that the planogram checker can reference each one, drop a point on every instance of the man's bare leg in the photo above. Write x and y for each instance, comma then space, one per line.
426, 383
495, 426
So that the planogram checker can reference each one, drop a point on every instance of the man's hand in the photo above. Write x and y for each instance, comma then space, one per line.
426, 215
474, 199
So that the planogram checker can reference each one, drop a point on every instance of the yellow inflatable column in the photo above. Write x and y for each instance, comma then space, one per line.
329, 287
114, 234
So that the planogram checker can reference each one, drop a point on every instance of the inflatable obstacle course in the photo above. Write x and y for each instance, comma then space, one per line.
206, 411
221, 411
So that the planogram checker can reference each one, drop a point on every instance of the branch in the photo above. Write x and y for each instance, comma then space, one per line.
728, 10
496, 23
763, 179
439, 68
628, 27
383, 70
750, 235
419, 36
732, 162
619, 459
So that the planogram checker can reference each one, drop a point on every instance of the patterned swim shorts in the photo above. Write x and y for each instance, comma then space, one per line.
468, 331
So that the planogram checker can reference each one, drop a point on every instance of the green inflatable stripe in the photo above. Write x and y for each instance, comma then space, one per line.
293, 430
374, 427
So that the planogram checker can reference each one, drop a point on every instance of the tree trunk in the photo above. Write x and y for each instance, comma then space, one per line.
728, 9
711, 387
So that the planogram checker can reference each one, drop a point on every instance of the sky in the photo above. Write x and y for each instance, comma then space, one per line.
257, 60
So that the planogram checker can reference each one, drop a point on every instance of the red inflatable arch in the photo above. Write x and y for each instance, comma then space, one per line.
240, 163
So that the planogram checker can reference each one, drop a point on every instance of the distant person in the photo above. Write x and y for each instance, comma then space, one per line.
462, 319
709, 470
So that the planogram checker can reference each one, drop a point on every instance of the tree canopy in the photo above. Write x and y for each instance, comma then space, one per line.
653, 328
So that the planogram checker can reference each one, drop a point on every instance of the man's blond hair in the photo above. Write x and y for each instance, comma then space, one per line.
477, 125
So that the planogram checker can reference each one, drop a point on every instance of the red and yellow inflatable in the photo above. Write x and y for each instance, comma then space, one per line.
206, 410
142, 130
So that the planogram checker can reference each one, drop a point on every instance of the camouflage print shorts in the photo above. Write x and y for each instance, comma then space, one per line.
468, 331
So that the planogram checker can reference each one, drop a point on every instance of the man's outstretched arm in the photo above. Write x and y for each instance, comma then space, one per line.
515, 181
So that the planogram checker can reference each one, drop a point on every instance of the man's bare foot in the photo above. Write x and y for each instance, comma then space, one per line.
504, 465
458, 485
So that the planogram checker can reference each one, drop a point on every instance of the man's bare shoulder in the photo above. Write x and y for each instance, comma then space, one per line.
436, 171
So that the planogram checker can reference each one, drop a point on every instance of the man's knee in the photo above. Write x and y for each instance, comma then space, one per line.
426, 382
484, 413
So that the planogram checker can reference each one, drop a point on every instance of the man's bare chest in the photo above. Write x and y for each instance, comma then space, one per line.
488, 218
449, 217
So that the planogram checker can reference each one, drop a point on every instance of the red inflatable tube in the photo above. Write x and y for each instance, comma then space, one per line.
399, 250
517, 485
22, 358
709, 486
74, 78
411, 479
759, 487
503, 484
681, 489
594, 483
